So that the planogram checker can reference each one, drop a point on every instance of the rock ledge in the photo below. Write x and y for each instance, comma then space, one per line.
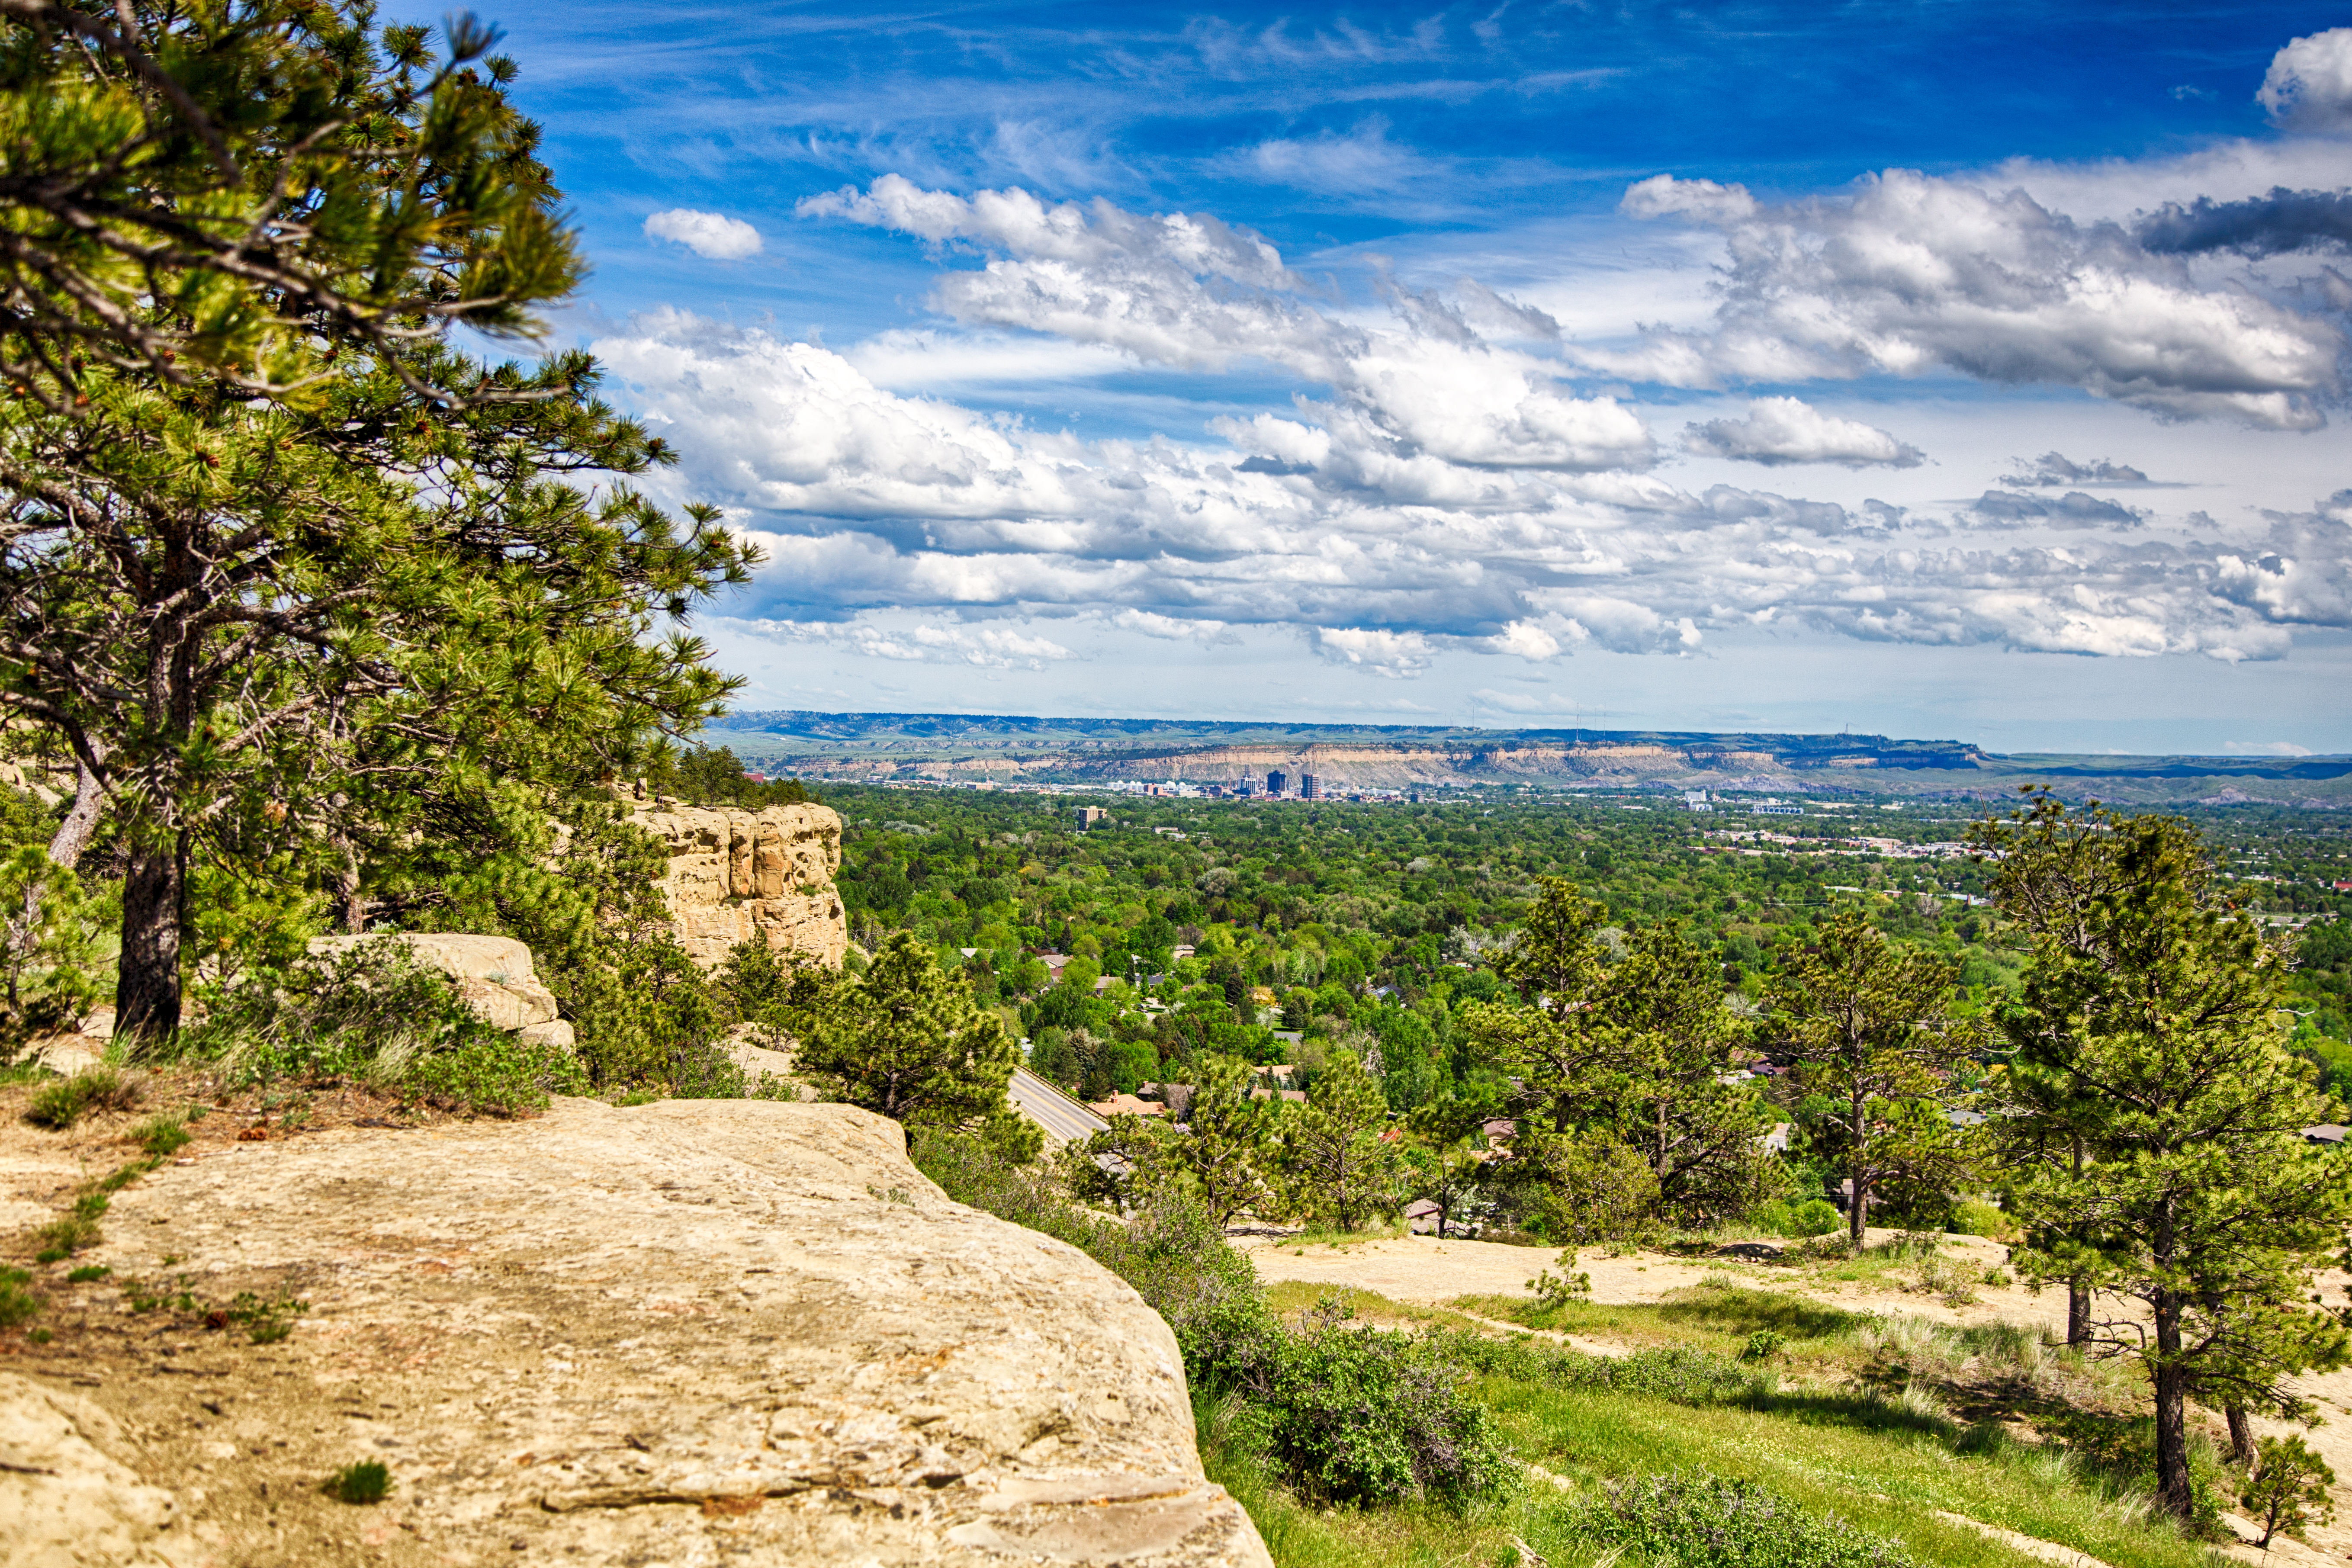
684, 1333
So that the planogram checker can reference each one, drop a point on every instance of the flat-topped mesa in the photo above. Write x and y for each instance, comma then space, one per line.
734, 872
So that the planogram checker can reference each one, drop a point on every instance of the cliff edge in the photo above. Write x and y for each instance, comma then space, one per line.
691, 1331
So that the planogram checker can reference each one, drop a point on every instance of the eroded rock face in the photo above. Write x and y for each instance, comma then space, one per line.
733, 872
692, 1331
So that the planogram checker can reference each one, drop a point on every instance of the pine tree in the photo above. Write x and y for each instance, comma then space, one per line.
279, 571
1338, 1163
238, 192
2157, 1005
906, 1040
1870, 1027
1665, 999
1231, 1143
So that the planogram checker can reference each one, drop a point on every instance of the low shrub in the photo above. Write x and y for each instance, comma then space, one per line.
59, 1105
1357, 1415
265, 1320
1815, 1216
162, 1136
1710, 1522
18, 1303
375, 1015
1342, 1412
368, 1481
1974, 1217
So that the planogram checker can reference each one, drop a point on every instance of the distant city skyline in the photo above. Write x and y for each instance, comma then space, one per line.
1969, 372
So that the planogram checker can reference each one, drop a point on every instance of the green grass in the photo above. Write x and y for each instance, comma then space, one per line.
1871, 1464
1849, 1419
1719, 1314
59, 1105
1885, 1472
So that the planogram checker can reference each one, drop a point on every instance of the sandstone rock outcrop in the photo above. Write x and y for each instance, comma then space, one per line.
735, 872
693, 1331
494, 976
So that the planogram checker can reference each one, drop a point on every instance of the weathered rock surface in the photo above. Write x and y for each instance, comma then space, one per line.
688, 1332
494, 976
734, 872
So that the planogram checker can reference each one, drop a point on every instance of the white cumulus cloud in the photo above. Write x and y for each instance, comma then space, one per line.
1187, 290
1791, 430
1396, 655
2309, 84
1911, 274
714, 235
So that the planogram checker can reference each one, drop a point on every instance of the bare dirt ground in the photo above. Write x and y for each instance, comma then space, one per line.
1430, 1272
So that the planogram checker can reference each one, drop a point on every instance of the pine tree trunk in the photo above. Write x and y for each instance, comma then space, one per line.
347, 892
2241, 1433
2172, 1485
2078, 1311
147, 994
74, 834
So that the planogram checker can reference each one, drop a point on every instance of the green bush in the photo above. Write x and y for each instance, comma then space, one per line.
1815, 1216
59, 1105
1974, 1219
1709, 1521
375, 1015
368, 1481
162, 1136
17, 1303
1343, 1411
1356, 1415
266, 1320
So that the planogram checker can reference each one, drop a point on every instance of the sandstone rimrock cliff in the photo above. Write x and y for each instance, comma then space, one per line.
734, 872
693, 1331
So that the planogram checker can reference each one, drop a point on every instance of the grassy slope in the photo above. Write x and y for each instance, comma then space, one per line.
1886, 1464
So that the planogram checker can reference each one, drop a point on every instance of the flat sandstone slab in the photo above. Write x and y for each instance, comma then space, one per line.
689, 1333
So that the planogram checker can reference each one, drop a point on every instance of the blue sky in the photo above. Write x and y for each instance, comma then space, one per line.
1968, 370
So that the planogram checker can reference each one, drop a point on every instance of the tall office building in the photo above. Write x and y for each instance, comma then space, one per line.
1275, 779
1307, 786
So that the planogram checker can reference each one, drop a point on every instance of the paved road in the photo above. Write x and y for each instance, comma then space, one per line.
1050, 1108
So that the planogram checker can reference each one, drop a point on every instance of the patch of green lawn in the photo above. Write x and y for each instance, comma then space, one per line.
1851, 1456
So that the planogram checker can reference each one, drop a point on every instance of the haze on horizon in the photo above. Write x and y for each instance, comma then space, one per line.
1970, 371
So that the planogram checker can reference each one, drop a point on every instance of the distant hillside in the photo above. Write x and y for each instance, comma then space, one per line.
887, 746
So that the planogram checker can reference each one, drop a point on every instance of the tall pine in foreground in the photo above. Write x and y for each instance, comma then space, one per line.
291, 582
2150, 1014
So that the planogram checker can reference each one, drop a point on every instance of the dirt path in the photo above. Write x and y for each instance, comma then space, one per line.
1429, 1272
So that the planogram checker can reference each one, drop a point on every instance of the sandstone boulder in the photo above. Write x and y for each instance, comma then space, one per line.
494, 976
734, 872
697, 1332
